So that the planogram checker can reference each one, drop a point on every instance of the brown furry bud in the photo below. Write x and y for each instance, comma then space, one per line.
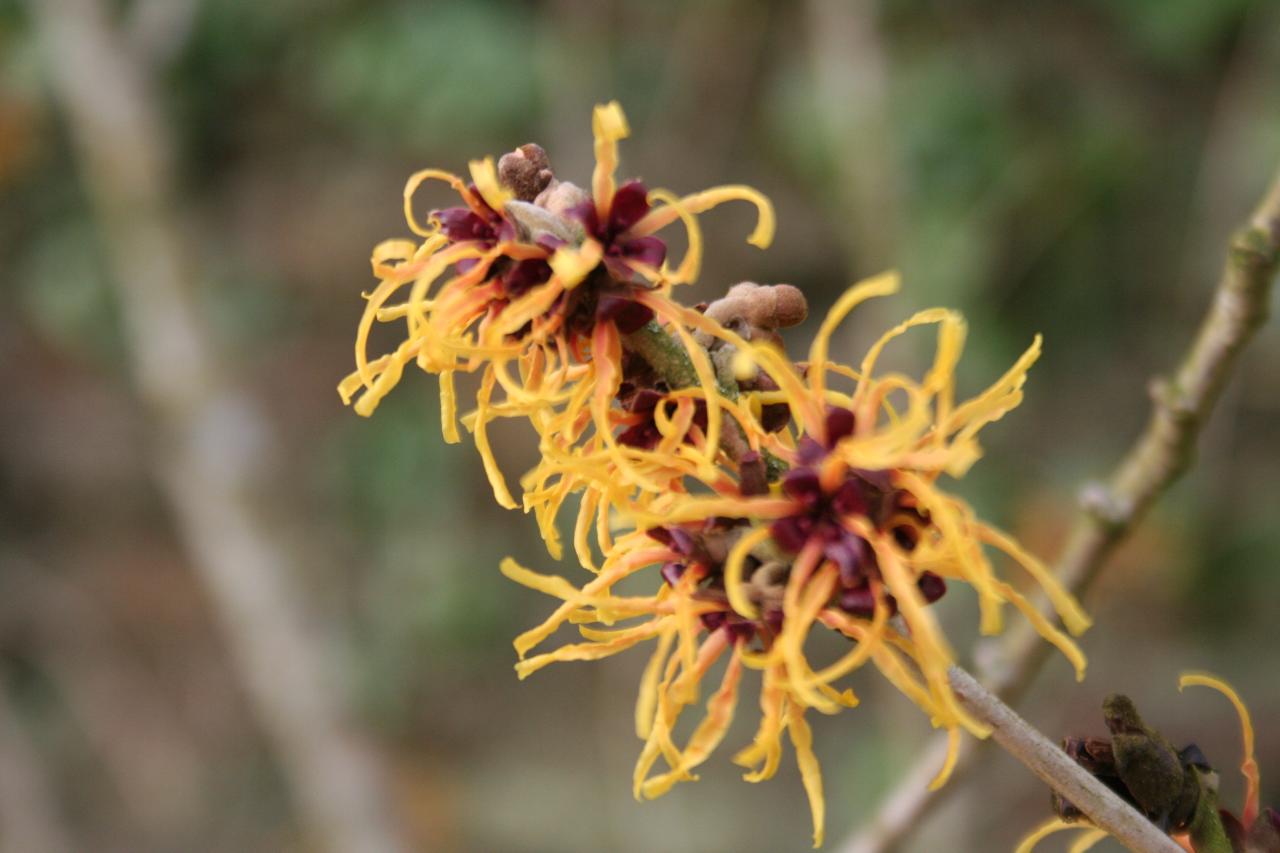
525, 171
762, 306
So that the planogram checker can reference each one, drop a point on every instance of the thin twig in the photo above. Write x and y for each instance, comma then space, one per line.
212, 444
1160, 456
1058, 770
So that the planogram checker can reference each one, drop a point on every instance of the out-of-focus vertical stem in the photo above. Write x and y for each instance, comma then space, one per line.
29, 819
212, 445
851, 75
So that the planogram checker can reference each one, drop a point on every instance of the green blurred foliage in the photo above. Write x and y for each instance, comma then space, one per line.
64, 293
397, 72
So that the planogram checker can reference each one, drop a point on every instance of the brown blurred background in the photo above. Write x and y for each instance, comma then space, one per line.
236, 616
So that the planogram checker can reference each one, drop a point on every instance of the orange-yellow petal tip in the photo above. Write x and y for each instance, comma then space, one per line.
1248, 764
608, 121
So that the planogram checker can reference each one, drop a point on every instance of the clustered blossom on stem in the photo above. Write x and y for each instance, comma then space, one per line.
539, 275
761, 498
854, 533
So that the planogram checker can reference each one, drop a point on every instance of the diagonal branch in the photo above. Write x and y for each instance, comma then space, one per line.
1112, 510
1058, 770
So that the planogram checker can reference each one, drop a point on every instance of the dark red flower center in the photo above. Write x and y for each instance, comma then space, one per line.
820, 517
630, 204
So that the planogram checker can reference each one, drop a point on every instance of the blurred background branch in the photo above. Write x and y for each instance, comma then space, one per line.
30, 821
851, 85
157, 30
212, 449
114, 698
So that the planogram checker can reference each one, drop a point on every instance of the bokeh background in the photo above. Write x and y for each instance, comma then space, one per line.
1070, 168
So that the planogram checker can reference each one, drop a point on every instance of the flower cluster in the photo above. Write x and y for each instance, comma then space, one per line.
763, 499
536, 275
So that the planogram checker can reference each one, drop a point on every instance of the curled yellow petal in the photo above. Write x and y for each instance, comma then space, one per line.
705, 372
416, 180
496, 480
448, 408
353, 382
552, 585
920, 318
584, 651
572, 263
485, 176
766, 748
608, 125
1043, 831
691, 264
802, 601
950, 516
389, 254
1087, 840
932, 651
1068, 607
810, 772
881, 285
693, 660
659, 740
996, 401
1046, 628
392, 369
948, 764
582, 529
647, 700
734, 582
865, 648
1248, 764
709, 733
761, 236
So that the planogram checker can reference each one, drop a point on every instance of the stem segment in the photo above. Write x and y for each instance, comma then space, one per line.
1048, 761
668, 358
664, 354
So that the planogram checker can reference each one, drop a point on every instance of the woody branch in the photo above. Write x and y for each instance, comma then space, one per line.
1112, 510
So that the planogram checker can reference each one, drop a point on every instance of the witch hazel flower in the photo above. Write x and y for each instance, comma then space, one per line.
533, 283
852, 535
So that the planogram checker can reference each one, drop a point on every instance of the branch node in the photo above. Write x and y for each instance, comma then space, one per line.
1102, 504
1172, 399
1254, 251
